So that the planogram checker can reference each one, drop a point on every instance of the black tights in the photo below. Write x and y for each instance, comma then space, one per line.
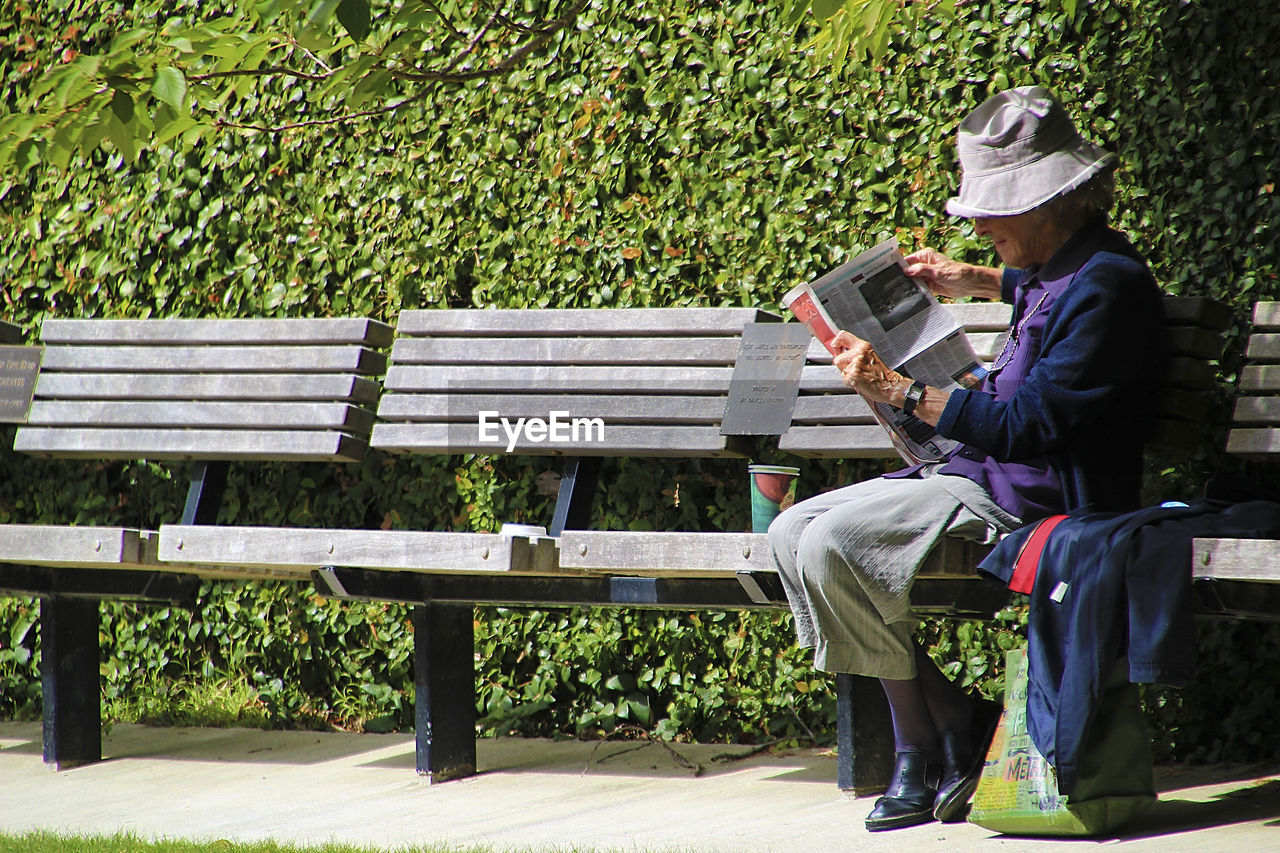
925, 706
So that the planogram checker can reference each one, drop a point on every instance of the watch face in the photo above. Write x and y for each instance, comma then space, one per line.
913, 396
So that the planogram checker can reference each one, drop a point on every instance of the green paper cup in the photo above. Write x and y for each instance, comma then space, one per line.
773, 489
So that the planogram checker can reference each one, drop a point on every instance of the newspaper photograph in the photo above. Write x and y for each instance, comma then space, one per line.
872, 297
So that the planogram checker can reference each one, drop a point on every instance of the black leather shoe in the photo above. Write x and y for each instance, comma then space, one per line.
911, 795
962, 759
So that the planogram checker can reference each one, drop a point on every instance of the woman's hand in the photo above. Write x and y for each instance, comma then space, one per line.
952, 279
865, 372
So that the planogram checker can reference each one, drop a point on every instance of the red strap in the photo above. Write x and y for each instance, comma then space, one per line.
1028, 561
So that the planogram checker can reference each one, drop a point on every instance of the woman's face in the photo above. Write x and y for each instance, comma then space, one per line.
1020, 240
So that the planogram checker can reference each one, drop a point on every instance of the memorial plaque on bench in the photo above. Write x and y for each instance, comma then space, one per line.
19, 367
766, 379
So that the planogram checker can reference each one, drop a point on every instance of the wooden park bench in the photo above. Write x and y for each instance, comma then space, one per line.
657, 378
10, 333
1240, 578
210, 392
660, 379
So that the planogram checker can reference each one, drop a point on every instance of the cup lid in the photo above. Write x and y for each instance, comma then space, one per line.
773, 469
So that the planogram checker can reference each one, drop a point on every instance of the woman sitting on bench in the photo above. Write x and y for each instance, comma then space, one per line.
1058, 423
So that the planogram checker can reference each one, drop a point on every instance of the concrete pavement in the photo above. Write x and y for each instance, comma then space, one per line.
307, 787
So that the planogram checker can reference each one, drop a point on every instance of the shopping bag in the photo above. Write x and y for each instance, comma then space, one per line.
1018, 791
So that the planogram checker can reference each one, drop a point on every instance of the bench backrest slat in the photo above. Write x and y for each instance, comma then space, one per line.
576, 322
192, 444
613, 408
210, 358
1256, 420
178, 414
669, 440
236, 389
10, 333
657, 378
208, 386
593, 379
568, 351
225, 332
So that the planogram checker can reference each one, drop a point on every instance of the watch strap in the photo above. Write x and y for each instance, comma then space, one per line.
912, 397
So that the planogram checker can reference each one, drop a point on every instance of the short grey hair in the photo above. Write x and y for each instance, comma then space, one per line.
1076, 208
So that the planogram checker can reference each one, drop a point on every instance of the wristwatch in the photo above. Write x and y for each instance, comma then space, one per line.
913, 395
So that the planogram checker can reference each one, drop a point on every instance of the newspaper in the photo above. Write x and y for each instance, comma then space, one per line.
872, 297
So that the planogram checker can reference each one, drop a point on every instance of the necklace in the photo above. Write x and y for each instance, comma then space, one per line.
1015, 336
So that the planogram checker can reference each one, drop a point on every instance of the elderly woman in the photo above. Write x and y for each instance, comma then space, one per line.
1057, 424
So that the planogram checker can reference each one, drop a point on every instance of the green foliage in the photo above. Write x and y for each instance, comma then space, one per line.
175, 74
674, 153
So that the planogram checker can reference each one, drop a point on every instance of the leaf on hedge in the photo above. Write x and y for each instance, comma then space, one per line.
170, 86
121, 137
354, 17
631, 253
122, 106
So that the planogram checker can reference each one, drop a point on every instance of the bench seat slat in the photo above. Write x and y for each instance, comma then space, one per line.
552, 379
175, 386
306, 549
566, 351
191, 332
611, 322
183, 414
212, 445
71, 546
204, 359
1236, 559
620, 440
613, 409
715, 554
664, 553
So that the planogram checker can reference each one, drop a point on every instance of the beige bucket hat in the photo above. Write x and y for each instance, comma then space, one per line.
1018, 150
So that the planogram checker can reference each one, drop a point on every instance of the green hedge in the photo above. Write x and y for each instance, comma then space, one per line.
669, 153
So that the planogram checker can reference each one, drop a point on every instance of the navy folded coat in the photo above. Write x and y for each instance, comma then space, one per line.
1111, 586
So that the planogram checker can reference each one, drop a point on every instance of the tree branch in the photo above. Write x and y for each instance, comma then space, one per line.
260, 72
540, 37
539, 41
321, 122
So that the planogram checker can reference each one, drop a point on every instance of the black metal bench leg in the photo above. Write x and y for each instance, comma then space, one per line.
445, 680
864, 735
69, 677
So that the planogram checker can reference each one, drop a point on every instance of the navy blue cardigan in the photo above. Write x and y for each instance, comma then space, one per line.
1087, 404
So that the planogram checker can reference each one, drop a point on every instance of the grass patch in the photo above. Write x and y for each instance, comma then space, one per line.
48, 842
221, 701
